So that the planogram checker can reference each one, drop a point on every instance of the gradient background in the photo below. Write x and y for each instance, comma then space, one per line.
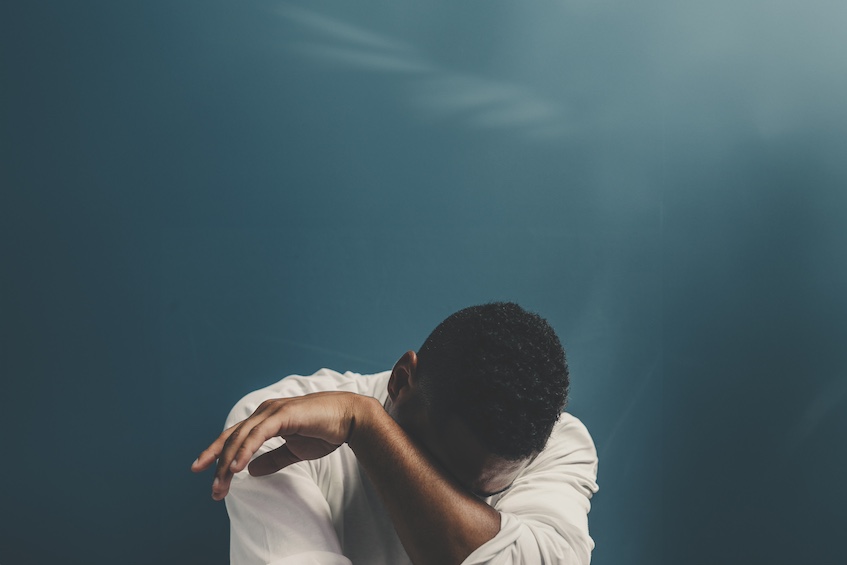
200, 197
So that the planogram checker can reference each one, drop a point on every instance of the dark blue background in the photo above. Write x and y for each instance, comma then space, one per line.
199, 198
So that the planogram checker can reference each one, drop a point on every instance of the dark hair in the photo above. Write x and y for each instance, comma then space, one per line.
502, 371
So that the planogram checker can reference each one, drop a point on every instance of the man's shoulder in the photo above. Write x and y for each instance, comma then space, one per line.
568, 462
569, 444
570, 434
299, 385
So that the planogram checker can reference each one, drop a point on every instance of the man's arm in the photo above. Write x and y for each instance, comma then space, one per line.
436, 520
544, 513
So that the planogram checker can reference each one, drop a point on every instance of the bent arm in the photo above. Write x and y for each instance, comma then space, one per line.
437, 521
542, 519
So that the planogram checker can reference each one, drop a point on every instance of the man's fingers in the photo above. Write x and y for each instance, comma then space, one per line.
322, 419
211, 453
272, 461
223, 473
243, 442
254, 439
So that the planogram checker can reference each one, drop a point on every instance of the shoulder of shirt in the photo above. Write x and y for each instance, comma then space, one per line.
570, 456
299, 385
569, 434
569, 444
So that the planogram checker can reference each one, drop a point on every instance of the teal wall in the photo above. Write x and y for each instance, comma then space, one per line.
199, 198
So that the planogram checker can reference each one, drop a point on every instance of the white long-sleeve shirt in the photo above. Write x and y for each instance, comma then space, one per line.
327, 512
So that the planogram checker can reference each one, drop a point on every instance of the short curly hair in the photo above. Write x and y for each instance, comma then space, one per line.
502, 371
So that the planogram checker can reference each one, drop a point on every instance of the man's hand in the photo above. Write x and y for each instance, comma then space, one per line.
312, 426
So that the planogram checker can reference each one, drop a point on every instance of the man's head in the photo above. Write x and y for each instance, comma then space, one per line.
483, 392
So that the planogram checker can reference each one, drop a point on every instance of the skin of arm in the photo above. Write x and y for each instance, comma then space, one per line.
438, 520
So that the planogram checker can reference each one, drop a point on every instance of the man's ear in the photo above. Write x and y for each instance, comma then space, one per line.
402, 377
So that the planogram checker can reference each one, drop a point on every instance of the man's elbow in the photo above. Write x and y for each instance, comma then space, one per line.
529, 542
558, 546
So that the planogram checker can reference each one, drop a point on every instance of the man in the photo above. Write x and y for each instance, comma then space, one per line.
460, 454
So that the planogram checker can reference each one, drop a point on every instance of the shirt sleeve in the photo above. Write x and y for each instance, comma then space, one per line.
544, 515
283, 518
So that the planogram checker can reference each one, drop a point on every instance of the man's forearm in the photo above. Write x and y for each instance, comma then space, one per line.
437, 521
